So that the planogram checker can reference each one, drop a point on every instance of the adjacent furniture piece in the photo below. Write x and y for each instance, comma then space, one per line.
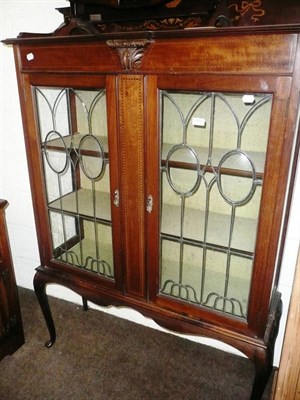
159, 161
11, 329
288, 381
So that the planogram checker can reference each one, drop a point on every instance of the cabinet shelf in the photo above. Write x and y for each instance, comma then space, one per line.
86, 204
258, 158
243, 237
73, 142
207, 288
239, 169
84, 255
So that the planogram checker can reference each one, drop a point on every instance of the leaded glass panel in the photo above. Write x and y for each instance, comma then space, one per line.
213, 148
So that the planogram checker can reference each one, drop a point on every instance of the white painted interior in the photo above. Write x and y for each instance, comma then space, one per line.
40, 16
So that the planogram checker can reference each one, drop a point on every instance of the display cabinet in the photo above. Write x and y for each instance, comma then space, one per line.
11, 328
159, 162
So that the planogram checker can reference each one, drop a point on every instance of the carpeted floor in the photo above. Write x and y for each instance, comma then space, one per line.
101, 357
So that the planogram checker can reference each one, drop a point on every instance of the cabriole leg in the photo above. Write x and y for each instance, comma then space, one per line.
40, 290
263, 370
85, 304
263, 357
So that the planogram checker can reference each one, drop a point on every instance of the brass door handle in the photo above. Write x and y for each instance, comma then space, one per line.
149, 205
116, 198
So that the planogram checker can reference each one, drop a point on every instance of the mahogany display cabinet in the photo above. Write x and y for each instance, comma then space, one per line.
159, 159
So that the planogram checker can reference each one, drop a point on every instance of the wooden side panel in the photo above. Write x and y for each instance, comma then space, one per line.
271, 209
131, 109
288, 383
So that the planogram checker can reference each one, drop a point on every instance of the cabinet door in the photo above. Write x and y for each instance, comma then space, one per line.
218, 148
77, 149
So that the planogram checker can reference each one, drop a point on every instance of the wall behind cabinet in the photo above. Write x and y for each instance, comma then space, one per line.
41, 16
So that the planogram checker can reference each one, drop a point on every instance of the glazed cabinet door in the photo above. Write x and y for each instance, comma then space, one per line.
216, 147
75, 146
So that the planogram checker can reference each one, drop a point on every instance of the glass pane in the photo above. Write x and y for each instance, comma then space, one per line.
213, 148
74, 145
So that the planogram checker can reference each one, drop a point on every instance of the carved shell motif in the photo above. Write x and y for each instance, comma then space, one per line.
130, 52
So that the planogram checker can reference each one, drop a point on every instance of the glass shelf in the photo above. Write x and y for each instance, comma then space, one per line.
86, 203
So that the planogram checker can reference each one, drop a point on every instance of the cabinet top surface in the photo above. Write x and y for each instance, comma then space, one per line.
193, 33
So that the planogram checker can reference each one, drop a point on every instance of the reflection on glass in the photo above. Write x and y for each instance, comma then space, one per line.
213, 148
73, 133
